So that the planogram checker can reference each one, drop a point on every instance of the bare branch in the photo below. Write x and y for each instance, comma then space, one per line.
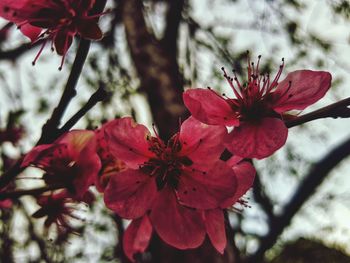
33, 192
336, 110
98, 96
305, 190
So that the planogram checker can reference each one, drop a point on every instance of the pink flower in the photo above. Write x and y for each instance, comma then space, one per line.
71, 161
258, 110
60, 20
109, 164
171, 185
59, 208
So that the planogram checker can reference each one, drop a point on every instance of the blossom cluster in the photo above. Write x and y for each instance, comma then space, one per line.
178, 189
57, 21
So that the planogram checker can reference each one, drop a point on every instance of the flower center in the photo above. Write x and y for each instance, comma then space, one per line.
252, 101
167, 166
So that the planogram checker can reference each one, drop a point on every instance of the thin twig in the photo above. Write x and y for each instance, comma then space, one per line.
98, 96
50, 129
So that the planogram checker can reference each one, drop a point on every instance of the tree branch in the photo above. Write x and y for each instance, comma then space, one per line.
13, 54
158, 73
173, 19
261, 197
50, 129
336, 110
34, 192
305, 190
98, 96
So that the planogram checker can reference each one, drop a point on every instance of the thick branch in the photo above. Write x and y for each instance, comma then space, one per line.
158, 72
306, 188
173, 19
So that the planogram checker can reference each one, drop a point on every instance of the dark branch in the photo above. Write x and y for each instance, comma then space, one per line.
336, 110
157, 70
50, 129
173, 19
98, 96
13, 54
306, 188
33, 192
261, 197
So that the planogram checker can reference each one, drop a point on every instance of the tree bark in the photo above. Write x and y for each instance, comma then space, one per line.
157, 70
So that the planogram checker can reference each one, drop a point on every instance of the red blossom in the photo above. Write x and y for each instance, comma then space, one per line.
59, 209
172, 184
109, 164
259, 108
58, 21
137, 236
71, 161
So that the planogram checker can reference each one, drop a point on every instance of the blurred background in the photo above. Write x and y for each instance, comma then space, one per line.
150, 52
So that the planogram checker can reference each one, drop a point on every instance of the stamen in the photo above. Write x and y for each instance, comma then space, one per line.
39, 53
209, 88
274, 83
229, 80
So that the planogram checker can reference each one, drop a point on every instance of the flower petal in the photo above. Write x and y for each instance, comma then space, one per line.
202, 143
63, 40
206, 190
130, 193
244, 174
88, 28
128, 141
40, 155
178, 226
88, 165
234, 160
30, 31
306, 88
77, 140
210, 108
257, 140
215, 226
137, 236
